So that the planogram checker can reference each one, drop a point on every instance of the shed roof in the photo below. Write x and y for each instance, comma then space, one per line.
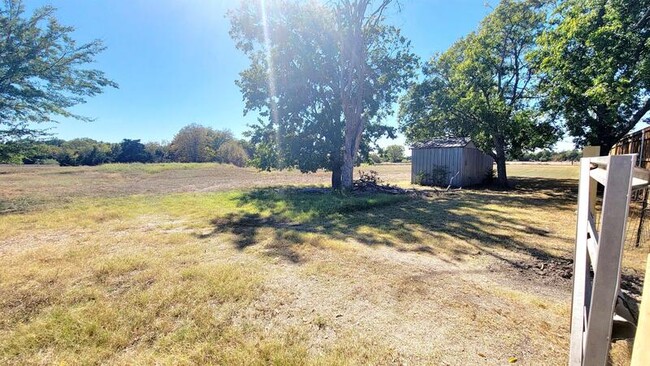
442, 142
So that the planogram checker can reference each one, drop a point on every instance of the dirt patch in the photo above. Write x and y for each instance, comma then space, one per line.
560, 270
553, 268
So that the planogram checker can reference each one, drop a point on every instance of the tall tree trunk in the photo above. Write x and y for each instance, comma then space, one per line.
336, 175
353, 132
605, 148
353, 77
353, 18
502, 177
347, 173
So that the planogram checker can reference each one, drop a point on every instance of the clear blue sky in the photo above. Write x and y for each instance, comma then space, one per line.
176, 64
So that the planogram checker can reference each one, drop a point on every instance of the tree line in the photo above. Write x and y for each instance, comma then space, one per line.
549, 155
192, 144
323, 77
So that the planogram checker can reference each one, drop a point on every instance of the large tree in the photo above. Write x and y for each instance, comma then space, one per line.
297, 82
358, 23
483, 87
595, 59
42, 70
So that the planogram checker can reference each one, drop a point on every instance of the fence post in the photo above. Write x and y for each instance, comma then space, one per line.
607, 273
644, 207
592, 152
640, 354
580, 267
594, 297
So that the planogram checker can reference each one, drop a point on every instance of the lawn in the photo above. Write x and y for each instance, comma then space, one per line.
212, 264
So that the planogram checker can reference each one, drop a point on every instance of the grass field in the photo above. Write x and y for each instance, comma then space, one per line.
212, 264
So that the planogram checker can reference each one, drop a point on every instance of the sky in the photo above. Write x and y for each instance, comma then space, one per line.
176, 64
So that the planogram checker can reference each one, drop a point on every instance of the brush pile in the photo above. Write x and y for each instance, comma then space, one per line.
370, 182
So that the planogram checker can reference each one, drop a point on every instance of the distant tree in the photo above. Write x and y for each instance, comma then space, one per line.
15, 151
595, 62
544, 155
42, 70
248, 147
572, 155
132, 151
159, 151
295, 81
232, 152
483, 87
374, 158
216, 138
190, 143
40, 152
394, 153
83, 151
196, 143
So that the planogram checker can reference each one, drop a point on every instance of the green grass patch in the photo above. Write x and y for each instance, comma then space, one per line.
552, 171
195, 208
153, 168
296, 205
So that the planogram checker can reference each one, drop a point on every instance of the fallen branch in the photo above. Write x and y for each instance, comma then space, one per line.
451, 181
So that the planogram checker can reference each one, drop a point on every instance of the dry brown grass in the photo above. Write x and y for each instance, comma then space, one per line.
171, 266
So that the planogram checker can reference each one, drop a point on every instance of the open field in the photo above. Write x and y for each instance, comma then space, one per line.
202, 264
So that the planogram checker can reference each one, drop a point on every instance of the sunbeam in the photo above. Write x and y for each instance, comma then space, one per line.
269, 63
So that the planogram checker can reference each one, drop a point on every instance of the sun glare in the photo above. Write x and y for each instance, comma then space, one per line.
269, 62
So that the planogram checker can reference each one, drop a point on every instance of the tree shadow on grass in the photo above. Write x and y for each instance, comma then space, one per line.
279, 216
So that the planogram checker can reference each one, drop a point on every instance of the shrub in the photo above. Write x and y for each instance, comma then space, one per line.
437, 177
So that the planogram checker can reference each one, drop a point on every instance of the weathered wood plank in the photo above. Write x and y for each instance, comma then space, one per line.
591, 229
641, 352
588, 152
606, 277
599, 175
580, 267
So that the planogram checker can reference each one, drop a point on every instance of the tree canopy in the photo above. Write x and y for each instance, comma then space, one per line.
195, 143
393, 153
595, 62
484, 87
297, 79
42, 70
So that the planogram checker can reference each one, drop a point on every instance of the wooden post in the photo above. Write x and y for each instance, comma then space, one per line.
580, 267
594, 297
616, 201
592, 152
641, 352
641, 150
644, 207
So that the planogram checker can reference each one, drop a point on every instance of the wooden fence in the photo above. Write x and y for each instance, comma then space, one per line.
635, 143
638, 228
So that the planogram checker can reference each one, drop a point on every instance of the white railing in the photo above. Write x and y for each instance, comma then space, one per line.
598, 253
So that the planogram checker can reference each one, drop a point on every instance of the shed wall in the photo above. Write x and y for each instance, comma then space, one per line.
476, 165
425, 160
471, 164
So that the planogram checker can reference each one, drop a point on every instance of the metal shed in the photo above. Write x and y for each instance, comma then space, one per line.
443, 158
